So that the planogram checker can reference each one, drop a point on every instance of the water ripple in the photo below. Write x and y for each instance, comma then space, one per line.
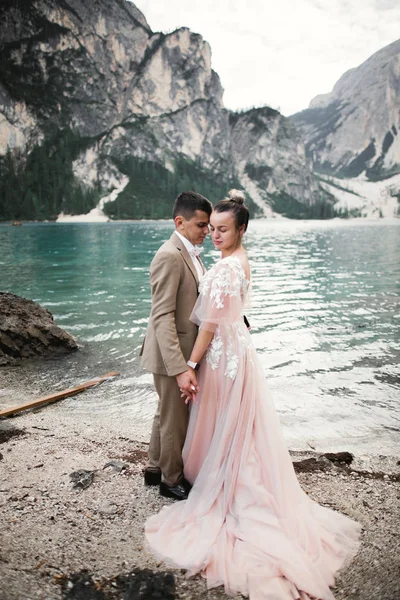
324, 310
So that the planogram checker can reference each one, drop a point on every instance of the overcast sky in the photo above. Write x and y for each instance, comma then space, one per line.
280, 52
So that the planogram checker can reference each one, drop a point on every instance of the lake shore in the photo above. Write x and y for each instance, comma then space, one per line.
52, 530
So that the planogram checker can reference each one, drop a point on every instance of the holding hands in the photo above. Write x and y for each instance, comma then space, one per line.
187, 383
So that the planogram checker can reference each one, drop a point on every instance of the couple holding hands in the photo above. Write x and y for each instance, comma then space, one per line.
216, 443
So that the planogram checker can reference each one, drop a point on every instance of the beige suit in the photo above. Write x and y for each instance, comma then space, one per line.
169, 340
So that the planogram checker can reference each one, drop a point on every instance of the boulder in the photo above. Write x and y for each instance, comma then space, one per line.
27, 330
339, 457
323, 462
315, 463
7, 431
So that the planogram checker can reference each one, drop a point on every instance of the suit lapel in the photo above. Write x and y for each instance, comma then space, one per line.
202, 266
185, 255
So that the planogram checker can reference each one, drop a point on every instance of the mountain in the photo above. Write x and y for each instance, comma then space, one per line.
355, 128
271, 164
97, 110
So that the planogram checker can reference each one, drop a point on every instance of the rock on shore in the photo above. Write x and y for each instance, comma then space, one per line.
27, 329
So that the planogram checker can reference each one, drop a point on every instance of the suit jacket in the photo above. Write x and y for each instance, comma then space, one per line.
170, 335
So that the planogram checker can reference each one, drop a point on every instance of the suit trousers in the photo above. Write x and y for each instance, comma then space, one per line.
169, 430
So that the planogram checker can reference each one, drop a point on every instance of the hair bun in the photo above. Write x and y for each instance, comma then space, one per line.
236, 196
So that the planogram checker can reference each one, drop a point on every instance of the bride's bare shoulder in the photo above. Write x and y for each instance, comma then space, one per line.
246, 269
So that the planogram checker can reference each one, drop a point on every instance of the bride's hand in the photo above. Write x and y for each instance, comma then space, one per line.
189, 397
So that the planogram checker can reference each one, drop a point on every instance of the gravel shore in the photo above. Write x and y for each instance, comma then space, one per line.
52, 531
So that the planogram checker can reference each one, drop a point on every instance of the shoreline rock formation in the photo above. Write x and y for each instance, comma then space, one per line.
28, 330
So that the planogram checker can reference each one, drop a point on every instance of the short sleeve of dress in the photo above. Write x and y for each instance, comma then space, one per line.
221, 296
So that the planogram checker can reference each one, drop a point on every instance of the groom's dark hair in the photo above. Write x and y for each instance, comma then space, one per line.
187, 203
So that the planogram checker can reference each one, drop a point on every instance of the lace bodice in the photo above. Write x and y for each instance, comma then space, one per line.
219, 308
222, 294
225, 278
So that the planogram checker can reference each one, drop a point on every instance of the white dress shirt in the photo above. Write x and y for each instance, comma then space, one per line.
189, 246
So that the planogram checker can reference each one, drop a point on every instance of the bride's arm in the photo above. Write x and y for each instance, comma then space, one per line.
219, 303
201, 344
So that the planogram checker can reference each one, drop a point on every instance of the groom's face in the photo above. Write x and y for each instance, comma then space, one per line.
194, 229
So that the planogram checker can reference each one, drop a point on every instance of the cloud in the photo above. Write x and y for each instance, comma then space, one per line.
285, 53
386, 4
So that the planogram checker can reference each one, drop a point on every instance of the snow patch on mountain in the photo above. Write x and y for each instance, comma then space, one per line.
373, 200
96, 215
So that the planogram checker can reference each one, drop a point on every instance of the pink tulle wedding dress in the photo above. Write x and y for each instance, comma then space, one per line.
247, 524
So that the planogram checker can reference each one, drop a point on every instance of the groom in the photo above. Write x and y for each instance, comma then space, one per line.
174, 276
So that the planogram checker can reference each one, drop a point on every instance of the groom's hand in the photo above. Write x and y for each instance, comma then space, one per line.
187, 383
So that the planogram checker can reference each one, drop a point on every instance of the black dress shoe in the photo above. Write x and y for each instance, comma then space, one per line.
188, 486
152, 477
177, 491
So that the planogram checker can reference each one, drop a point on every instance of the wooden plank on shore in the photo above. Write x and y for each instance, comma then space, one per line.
58, 395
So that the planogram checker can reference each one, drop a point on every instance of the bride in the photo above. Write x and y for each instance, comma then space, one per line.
246, 524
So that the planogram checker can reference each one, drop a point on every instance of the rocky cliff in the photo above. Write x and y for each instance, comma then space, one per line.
270, 162
355, 128
92, 100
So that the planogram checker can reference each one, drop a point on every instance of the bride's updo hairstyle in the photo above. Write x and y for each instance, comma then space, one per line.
235, 203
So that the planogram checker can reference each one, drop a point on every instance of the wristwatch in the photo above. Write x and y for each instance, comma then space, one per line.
195, 366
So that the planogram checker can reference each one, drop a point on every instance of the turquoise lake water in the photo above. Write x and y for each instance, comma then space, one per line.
325, 312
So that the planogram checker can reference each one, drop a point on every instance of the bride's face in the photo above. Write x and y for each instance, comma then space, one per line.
224, 234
